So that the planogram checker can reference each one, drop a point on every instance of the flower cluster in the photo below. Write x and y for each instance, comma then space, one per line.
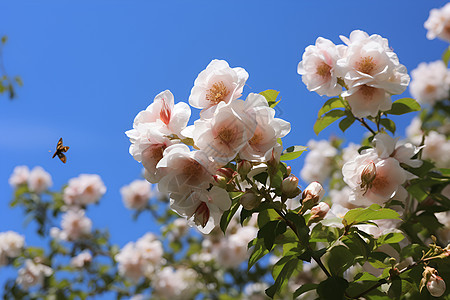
365, 66
37, 180
32, 274
11, 245
438, 23
229, 129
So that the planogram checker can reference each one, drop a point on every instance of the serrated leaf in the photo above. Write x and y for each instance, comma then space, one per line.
329, 105
374, 212
388, 124
325, 120
292, 152
403, 106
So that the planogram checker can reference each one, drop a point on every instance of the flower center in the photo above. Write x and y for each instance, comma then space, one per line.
256, 139
201, 214
164, 114
217, 93
89, 190
367, 91
429, 89
226, 135
192, 168
323, 70
157, 152
366, 65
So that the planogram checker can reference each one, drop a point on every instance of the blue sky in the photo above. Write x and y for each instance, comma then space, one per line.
90, 66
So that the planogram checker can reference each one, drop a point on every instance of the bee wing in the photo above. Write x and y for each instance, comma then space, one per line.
65, 148
59, 145
54, 154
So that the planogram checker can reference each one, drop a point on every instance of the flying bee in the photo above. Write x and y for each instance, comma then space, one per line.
60, 149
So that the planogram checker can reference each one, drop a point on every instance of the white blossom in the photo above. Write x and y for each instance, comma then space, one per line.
216, 84
137, 194
82, 259
233, 251
39, 180
75, 225
83, 190
372, 72
19, 176
11, 245
438, 23
175, 284
430, 82
318, 162
318, 67
32, 274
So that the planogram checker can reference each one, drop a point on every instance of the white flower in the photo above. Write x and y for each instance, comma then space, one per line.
232, 251
217, 83
341, 197
11, 245
372, 72
349, 152
268, 129
318, 67
184, 167
33, 274
83, 190
430, 82
203, 208
39, 180
318, 162
163, 114
438, 23
81, 259
137, 194
141, 258
19, 176
75, 225
175, 284
223, 136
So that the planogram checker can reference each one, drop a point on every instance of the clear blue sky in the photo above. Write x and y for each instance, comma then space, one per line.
90, 66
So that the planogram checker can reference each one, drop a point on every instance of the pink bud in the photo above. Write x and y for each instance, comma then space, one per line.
313, 192
227, 173
201, 214
221, 181
436, 286
288, 170
318, 212
250, 200
165, 113
289, 187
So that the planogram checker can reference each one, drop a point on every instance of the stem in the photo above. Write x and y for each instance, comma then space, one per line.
363, 122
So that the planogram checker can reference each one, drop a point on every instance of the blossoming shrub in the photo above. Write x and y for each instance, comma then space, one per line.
372, 222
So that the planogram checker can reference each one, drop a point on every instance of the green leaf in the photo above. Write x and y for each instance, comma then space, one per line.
365, 277
292, 152
339, 259
388, 124
228, 215
271, 97
270, 231
446, 56
259, 251
403, 106
325, 120
346, 122
390, 238
374, 212
300, 226
395, 290
332, 289
331, 104
283, 270
305, 288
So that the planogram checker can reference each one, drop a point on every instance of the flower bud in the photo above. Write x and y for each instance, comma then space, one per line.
288, 170
250, 200
289, 187
436, 286
201, 214
244, 167
221, 181
228, 173
312, 195
368, 175
318, 212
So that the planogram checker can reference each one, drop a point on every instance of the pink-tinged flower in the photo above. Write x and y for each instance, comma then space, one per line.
19, 176
387, 180
438, 23
437, 148
184, 167
319, 212
223, 136
82, 259
75, 225
137, 194
163, 114
386, 146
32, 274
175, 284
436, 286
372, 72
39, 180
233, 251
312, 194
129, 263
430, 82
318, 67
203, 208
217, 83
268, 129
83, 190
